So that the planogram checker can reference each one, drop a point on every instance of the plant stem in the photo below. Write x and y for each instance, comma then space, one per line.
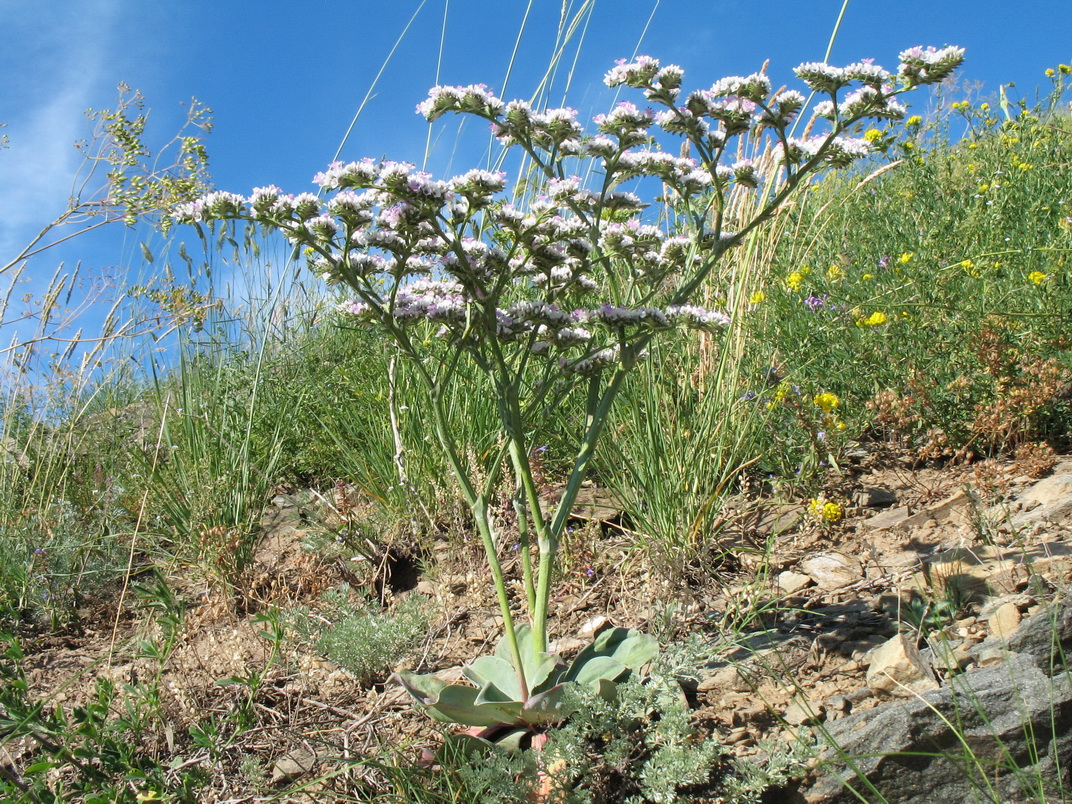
599, 407
478, 504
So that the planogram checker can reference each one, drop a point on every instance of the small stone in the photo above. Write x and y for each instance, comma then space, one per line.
898, 668
738, 735
890, 518
792, 582
292, 765
593, 626
871, 497
1021, 601
1005, 620
425, 588
948, 656
832, 570
567, 645
838, 703
725, 678
990, 656
801, 713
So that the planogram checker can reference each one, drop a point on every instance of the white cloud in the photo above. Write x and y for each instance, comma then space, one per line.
54, 70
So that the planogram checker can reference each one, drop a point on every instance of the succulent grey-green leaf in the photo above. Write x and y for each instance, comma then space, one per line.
497, 671
454, 703
549, 706
538, 667
595, 669
631, 648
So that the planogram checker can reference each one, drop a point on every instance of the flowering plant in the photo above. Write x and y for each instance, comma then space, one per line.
563, 290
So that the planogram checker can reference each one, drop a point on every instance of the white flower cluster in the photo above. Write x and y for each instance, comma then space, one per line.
755, 87
930, 65
866, 101
838, 150
473, 99
210, 207
823, 77
637, 74
697, 317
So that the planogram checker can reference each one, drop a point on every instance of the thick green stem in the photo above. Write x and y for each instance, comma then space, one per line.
596, 421
525, 546
483, 526
479, 506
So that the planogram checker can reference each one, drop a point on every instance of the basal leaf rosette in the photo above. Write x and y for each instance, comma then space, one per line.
495, 702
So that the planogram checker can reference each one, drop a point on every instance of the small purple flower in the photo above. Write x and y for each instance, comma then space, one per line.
884, 262
815, 302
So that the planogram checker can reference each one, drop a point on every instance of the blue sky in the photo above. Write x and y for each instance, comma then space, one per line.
285, 79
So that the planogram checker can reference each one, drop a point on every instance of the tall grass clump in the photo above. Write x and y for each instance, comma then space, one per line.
64, 530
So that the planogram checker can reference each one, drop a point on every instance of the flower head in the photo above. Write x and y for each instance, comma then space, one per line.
827, 401
825, 510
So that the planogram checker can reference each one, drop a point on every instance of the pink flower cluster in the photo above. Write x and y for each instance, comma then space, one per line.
424, 251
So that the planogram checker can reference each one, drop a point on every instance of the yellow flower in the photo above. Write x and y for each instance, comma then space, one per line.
914, 121
906, 258
757, 297
1037, 277
827, 401
876, 319
967, 265
1065, 69
983, 188
834, 273
795, 280
984, 106
825, 510
867, 276
1050, 72
873, 135
779, 395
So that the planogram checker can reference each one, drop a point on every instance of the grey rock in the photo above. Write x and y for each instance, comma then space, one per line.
915, 752
1048, 500
292, 765
791, 582
831, 570
1046, 637
890, 518
874, 497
